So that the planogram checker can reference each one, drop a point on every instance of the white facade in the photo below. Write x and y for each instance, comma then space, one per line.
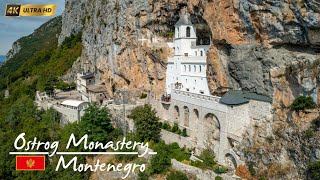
71, 110
83, 81
186, 70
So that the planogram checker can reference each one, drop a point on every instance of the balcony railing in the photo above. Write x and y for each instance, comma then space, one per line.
196, 96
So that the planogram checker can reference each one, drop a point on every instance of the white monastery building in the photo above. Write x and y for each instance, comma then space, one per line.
186, 70
211, 122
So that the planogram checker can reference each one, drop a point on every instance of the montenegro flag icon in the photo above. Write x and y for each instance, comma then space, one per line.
30, 163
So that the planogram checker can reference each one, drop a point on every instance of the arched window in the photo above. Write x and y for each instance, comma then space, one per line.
195, 68
189, 68
200, 68
201, 53
188, 31
185, 68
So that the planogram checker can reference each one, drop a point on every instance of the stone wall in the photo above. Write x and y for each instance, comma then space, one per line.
118, 115
170, 137
199, 173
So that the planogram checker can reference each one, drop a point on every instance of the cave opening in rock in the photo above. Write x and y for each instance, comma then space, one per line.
203, 31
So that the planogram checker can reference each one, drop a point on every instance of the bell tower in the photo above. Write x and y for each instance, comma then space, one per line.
185, 36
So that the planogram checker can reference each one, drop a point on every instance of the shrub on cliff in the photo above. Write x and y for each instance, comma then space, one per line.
302, 103
177, 175
175, 128
208, 157
314, 170
184, 132
143, 96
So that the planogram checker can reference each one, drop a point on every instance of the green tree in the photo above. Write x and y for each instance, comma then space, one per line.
96, 122
146, 123
161, 161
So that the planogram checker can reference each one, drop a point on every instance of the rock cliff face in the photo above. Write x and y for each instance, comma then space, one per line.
15, 49
263, 46
249, 38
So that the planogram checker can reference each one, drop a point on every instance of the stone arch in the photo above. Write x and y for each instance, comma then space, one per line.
194, 125
230, 160
211, 130
196, 113
186, 116
176, 113
188, 31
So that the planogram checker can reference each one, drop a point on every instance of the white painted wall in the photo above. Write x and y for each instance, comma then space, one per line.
189, 64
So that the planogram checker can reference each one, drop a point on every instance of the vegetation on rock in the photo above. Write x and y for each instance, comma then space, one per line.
177, 175
302, 103
314, 170
36, 67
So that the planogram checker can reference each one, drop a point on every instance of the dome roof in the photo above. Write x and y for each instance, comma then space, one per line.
184, 20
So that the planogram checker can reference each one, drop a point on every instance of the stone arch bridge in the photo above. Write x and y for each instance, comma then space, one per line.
211, 124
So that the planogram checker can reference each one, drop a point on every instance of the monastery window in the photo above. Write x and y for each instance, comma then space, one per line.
188, 31
200, 68
196, 53
201, 53
195, 81
186, 54
186, 80
195, 68
185, 68
189, 68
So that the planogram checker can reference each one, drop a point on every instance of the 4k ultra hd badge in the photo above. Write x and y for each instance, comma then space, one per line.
30, 10
13, 10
